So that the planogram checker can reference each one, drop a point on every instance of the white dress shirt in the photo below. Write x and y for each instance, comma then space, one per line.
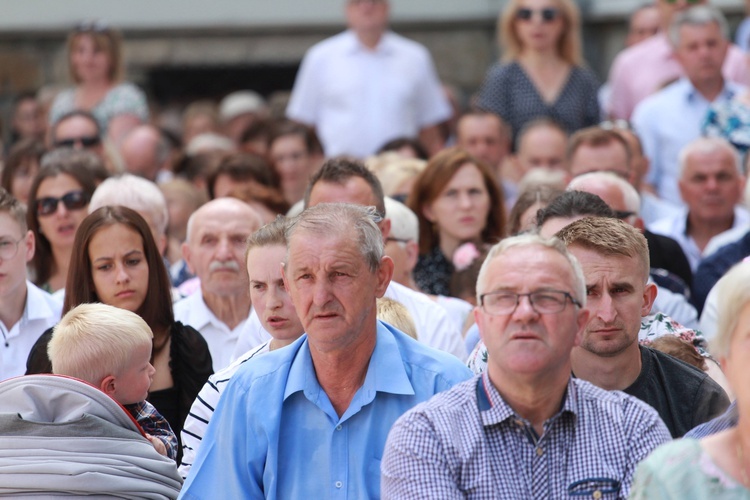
41, 312
358, 99
221, 340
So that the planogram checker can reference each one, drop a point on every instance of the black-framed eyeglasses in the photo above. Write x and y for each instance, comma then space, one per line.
548, 14
74, 200
86, 141
9, 247
542, 301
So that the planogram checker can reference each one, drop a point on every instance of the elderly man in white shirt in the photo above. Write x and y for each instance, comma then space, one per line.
25, 310
368, 85
711, 184
214, 252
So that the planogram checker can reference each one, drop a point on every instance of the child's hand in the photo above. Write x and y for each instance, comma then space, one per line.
158, 445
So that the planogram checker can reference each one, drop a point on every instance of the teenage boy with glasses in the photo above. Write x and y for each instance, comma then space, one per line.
25, 310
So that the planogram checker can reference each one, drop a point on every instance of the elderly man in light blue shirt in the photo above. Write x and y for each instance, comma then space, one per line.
311, 419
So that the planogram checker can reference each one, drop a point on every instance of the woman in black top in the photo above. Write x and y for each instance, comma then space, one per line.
541, 73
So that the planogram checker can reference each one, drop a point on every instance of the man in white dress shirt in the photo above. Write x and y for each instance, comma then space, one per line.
711, 183
368, 85
214, 252
25, 310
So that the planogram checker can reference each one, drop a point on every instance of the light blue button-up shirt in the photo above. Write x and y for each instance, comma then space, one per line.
275, 433
666, 122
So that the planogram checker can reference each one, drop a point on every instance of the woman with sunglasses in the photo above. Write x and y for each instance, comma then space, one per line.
116, 262
95, 65
542, 73
58, 202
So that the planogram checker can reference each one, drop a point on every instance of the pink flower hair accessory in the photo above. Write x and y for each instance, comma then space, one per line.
464, 256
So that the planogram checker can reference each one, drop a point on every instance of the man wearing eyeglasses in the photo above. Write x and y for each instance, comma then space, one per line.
368, 85
25, 310
525, 428
78, 130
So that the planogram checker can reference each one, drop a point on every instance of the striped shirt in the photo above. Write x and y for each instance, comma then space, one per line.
725, 421
205, 404
468, 442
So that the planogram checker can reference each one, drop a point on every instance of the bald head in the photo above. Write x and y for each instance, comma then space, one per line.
144, 151
215, 248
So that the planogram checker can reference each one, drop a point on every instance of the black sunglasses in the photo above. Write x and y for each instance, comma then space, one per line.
74, 200
548, 15
85, 141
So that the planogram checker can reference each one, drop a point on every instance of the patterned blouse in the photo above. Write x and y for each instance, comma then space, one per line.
433, 273
124, 99
682, 469
509, 92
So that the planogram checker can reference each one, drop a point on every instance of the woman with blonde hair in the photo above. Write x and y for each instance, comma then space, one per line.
541, 73
96, 67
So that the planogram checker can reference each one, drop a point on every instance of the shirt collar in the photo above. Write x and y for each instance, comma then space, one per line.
493, 409
385, 46
727, 93
385, 372
40, 304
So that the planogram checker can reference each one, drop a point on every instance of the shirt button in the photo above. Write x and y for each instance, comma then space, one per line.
539, 452
597, 494
519, 423
339, 484
338, 427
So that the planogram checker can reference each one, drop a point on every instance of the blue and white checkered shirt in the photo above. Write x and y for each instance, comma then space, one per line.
725, 421
467, 442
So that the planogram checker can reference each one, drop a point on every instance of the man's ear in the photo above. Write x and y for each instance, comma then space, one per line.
582, 320
385, 228
30, 245
649, 295
186, 255
384, 275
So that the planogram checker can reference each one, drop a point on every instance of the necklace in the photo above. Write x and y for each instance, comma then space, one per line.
741, 459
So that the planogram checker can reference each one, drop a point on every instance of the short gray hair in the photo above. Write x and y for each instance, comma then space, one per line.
709, 145
338, 218
630, 196
404, 222
699, 15
529, 240
733, 294
136, 193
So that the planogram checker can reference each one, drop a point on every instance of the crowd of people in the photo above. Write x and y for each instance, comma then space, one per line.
375, 291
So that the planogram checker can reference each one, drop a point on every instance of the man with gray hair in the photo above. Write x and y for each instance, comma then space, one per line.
525, 428
711, 184
670, 119
313, 417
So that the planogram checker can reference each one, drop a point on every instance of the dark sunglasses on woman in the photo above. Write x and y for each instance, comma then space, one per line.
74, 200
548, 15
